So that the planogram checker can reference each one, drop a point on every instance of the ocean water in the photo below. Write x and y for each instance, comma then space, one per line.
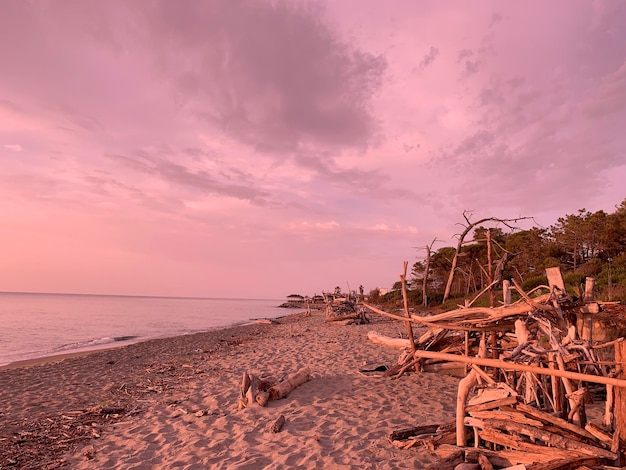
41, 325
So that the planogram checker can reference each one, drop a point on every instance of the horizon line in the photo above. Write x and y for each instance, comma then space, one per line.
137, 295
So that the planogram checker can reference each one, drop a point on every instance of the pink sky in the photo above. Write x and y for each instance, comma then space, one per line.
258, 149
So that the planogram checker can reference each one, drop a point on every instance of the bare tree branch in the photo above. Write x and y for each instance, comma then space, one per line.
461, 237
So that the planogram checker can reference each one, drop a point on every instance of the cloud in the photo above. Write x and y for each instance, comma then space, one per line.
13, 147
429, 58
272, 75
464, 54
611, 96
182, 177
471, 67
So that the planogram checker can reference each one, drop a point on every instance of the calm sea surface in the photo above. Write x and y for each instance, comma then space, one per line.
40, 325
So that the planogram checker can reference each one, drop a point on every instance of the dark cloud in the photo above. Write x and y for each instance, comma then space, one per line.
429, 58
271, 74
464, 54
495, 19
179, 175
368, 183
471, 67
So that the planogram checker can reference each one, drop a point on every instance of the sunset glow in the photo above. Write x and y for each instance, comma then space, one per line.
262, 148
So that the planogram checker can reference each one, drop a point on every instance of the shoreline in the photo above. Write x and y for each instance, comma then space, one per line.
173, 402
114, 344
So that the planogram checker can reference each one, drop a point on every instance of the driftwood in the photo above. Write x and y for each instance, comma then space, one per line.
255, 390
346, 311
532, 382
404, 434
282, 389
278, 424
377, 338
501, 364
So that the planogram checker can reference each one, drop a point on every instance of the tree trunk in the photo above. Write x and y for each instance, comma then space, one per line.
425, 280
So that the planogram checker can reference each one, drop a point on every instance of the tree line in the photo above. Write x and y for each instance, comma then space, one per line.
491, 249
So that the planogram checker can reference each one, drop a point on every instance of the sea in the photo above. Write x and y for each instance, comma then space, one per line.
41, 325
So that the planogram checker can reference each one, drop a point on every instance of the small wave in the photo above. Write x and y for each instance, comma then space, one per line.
90, 344
125, 338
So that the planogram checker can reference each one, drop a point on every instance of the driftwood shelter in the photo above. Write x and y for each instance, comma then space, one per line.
531, 372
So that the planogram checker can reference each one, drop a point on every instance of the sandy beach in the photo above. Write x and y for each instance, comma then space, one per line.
173, 403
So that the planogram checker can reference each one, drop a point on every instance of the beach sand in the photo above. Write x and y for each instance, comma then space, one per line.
173, 403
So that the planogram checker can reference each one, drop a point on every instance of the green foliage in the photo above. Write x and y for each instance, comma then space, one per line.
532, 282
580, 244
374, 296
574, 283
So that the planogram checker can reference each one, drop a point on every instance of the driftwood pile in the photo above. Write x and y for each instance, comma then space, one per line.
346, 311
530, 369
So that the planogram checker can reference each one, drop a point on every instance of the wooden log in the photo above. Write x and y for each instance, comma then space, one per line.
619, 412
490, 394
448, 462
404, 434
246, 383
607, 420
278, 424
521, 367
587, 327
377, 338
465, 386
599, 434
568, 463
348, 316
262, 398
556, 387
590, 287
506, 458
550, 438
470, 315
554, 420
451, 368
282, 389
484, 462
539, 452
535, 303
506, 292
407, 323
482, 374
252, 390
491, 404
555, 279
509, 414
511, 441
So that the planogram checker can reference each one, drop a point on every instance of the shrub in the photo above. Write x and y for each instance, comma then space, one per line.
532, 282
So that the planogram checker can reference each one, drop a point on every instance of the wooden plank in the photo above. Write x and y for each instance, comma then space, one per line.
555, 279
523, 367
403, 434
554, 420
506, 458
552, 439
492, 404
512, 415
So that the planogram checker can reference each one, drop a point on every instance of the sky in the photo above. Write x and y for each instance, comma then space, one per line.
252, 148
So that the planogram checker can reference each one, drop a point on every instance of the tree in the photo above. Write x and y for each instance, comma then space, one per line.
468, 226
